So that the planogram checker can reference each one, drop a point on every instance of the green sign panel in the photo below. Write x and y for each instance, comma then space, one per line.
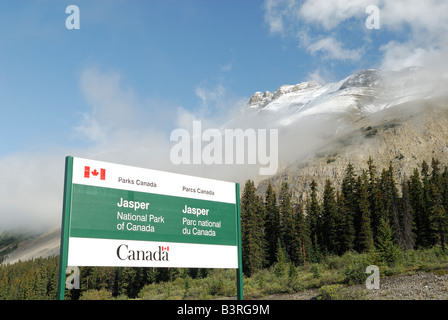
119, 214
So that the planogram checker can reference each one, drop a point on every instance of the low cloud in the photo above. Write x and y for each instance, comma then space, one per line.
31, 189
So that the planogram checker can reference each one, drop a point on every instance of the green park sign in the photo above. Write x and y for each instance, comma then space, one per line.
117, 215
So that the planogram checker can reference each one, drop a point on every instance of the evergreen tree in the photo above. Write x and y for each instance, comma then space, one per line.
315, 222
436, 177
272, 224
288, 224
365, 237
426, 204
349, 205
330, 241
407, 227
348, 188
303, 234
444, 188
375, 196
437, 217
436, 208
128, 278
390, 200
252, 235
345, 227
385, 244
418, 210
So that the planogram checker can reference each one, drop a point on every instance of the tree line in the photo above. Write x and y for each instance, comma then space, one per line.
369, 212
37, 279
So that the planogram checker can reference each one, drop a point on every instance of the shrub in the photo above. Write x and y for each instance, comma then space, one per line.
330, 292
316, 271
101, 294
354, 272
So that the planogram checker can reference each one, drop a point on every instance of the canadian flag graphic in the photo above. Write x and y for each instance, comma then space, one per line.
95, 173
165, 248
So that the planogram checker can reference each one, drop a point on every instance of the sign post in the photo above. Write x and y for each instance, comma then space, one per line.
116, 215
239, 270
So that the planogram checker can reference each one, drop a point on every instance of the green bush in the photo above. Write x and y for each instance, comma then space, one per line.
101, 294
316, 271
354, 272
330, 292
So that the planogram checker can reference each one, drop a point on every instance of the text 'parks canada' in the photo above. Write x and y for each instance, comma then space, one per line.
137, 182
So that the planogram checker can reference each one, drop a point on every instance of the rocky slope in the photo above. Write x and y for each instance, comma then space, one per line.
418, 286
401, 136
42, 245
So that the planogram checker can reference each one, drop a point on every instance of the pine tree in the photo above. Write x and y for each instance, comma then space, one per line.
426, 204
272, 224
252, 235
436, 177
345, 227
315, 222
437, 212
303, 234
330, 241
348, 188
407, 227
349, 205
385, 243
390, 200
437, 217
374, 197
288, 224
444, 188
418, 210
365, 237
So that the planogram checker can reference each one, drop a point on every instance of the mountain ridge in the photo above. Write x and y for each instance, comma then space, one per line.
367, 91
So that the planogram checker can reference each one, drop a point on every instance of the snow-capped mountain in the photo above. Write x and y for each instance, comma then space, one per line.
367, 91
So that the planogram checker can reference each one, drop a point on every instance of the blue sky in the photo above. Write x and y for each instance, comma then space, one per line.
163, 51
135, 70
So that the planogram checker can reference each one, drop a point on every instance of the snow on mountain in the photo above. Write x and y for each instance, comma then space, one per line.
367, 91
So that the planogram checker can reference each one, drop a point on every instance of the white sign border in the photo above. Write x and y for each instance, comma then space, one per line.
167, 183
103, 252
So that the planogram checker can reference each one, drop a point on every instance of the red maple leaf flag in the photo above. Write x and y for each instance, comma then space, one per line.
94, 173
